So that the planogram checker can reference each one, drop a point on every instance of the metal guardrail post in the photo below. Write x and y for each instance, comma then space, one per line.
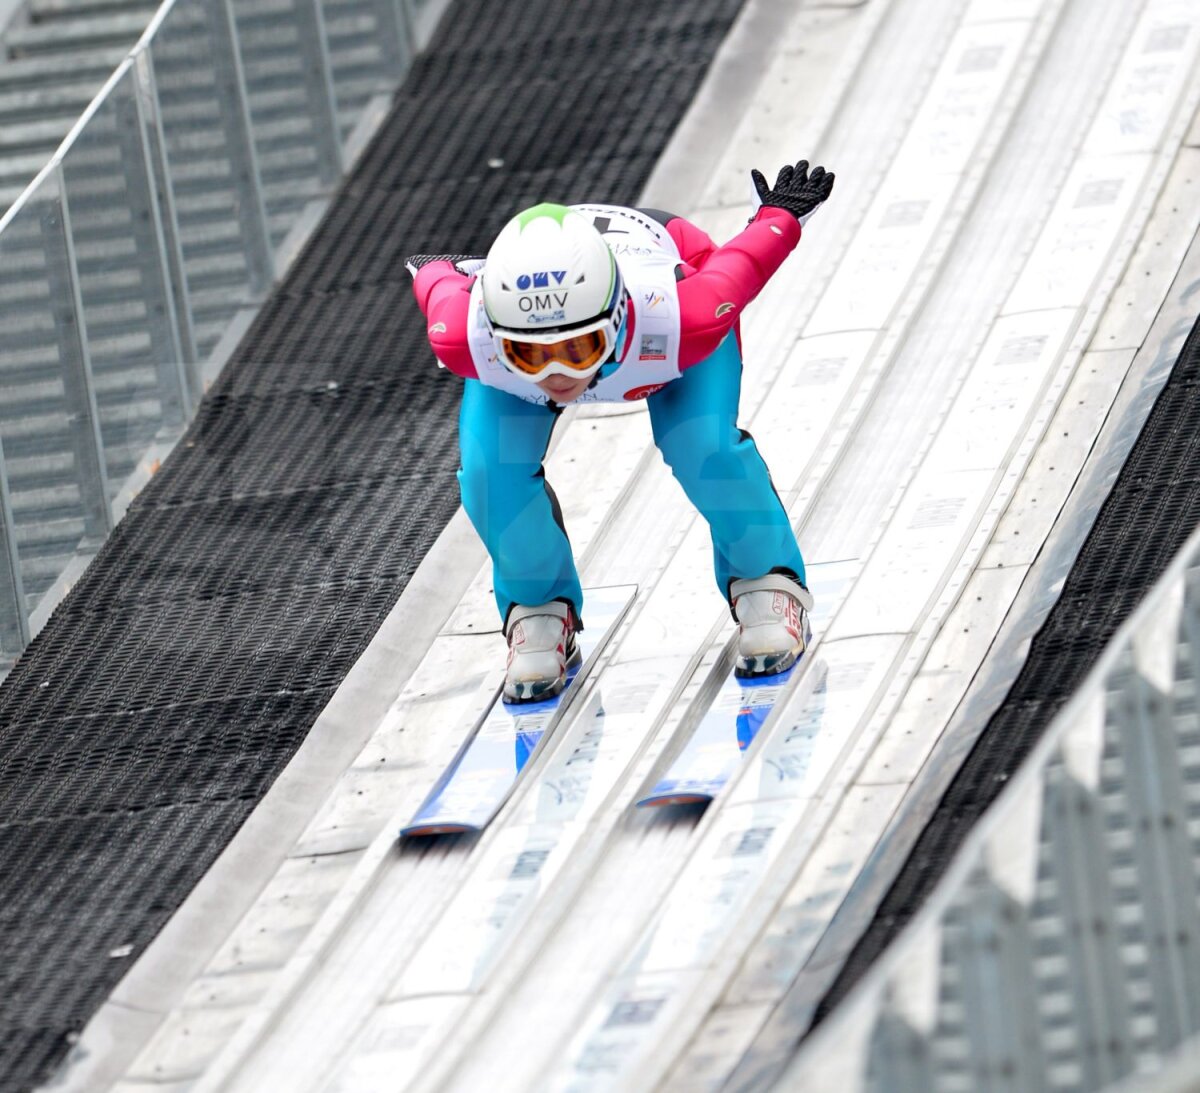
322, 95
995, 959
75, 358
149, 238
149, 115
239, 133
1075, 829
1189, 622
395, 34
898, 1060
1141, 716
14, 616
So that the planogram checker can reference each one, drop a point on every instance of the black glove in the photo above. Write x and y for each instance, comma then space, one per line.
464, 263
796, 190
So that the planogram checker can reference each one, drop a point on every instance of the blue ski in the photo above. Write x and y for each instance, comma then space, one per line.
741, 707
483, 773
715, 749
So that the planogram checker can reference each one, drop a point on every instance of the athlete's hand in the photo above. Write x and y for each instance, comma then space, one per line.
464, 263
800, 191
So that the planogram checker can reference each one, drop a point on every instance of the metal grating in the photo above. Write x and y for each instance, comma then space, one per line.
122, 269
173, 684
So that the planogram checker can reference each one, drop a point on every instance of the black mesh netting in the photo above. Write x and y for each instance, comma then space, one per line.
1153, 508
179, 676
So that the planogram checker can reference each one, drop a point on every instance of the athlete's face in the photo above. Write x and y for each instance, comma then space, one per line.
564, 389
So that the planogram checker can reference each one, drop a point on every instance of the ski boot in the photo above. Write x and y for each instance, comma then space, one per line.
773, 615
541, 647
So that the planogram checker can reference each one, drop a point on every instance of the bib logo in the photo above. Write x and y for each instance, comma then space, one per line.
639, 393
540, 280
653, 348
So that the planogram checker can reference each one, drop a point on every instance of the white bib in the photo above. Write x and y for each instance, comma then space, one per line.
646, 256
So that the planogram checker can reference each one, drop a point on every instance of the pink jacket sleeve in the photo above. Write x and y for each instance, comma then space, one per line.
444, 296
720, 281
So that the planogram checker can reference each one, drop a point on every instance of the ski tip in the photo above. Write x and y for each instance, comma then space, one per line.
420, 831
661, 799
520, 706
768, 670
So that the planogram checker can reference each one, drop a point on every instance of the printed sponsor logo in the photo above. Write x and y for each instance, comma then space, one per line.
724, 309
653, 300
643, 392
787, 607
603, 222
540, 279
543, 302
559, 316
632, 248
654, 347
438, 328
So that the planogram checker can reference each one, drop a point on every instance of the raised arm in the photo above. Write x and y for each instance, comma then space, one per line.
718, 285
719, 282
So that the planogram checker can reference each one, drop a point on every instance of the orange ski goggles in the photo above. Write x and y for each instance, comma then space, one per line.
580, 353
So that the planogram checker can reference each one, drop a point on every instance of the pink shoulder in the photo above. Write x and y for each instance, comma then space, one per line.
444, 296
694, 243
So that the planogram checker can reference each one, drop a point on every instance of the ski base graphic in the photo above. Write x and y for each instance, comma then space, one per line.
483, 773
742, 706
713, 752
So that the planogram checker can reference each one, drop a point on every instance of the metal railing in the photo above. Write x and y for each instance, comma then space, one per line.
154, 224
1062, 949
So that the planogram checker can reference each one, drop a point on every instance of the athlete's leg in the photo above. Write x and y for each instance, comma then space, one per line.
502, 441
694, 419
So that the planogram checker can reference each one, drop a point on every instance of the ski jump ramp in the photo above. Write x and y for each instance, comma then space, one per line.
929, 378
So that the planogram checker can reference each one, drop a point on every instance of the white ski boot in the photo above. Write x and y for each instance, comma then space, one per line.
541, 647
773, 615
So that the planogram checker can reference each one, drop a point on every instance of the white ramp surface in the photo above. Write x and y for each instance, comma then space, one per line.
925, 377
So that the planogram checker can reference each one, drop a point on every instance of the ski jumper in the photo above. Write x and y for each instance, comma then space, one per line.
681, 353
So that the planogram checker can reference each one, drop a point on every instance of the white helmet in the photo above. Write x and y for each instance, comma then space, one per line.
553, 295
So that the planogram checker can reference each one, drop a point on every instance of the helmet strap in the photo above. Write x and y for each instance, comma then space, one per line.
622, 340
621, 345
